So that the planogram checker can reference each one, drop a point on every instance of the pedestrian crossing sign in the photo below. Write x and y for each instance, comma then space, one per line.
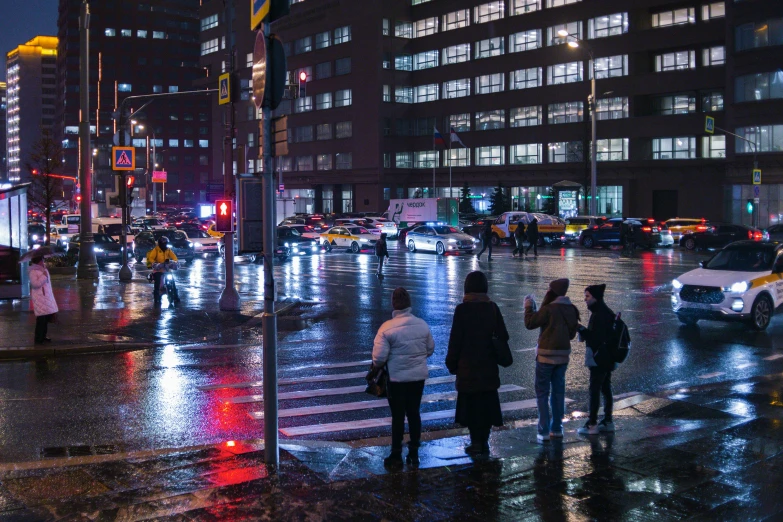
709, 125
224, 89
757, 176
123, 158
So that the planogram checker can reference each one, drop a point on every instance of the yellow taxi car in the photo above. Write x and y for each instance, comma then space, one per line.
680, 226
354, 238
551, 229
575, 225
214, 233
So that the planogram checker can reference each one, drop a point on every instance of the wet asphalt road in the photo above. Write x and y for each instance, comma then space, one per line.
155, 398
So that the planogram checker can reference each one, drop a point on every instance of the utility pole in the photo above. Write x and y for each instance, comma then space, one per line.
88, 267
229, 298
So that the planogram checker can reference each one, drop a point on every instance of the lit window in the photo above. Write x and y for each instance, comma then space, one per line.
488, 12
490, 47
426, 93
209, 22
403, 29
768, 138
188, 143
386, 31
342, 98
386, 93
459, 157
303, 45
674, 148
564, 73
459, 122
403, 94
425, 60
141, 33
456, 54
686, 15
525, 154
403, 160
714, 56
566, 152
712, 101
456, 88
127, 33
609, 25
760, 34
612, 149
526, 78
173, 88
610, 67
304, 163
525, 41
323, 40
425, 159
342, 35
760, 86
714, 10
574, 30
324, 162
713, 147
160, 35
456, 20
209, 46
491, 120
323, 101
559, 3
203, 144
674, 104
526, 116
344, 129
157, 89
344, 161
519, 7
124, 87
304, 104
491, 156
173, 143
675, 61
612, 108
489, 83
570, 112
426, 27
110, 32
323, 131
403, 62
249, 60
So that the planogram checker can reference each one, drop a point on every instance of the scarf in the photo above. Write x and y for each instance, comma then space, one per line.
476, 297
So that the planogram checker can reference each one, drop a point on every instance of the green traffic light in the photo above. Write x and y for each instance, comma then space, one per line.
750, 207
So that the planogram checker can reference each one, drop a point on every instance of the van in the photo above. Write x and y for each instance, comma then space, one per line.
113, 227
72, 221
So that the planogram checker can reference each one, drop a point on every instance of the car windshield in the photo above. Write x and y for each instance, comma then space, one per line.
113, 230
445, 230
103, 238
172, 235
36, 229
358, 230
757, 259
288, 232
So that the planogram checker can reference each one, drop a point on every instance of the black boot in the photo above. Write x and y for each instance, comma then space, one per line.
412, 459
394, 460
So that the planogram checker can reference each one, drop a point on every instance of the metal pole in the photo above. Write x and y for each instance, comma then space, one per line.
88, 267
154, 185
125, 271
757, 205
593, 148
269, 320
229, 298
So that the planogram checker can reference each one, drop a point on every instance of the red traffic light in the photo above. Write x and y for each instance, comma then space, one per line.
35, 172
78, 198
224, 215
130, 181
302, 76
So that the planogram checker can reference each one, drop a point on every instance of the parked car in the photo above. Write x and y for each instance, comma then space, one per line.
106, 248
145, 241
718, 235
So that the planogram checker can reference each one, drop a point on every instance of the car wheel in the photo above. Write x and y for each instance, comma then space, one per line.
588, 242
690, 244
327, 246
355, 247
440, 249
411, 246
686, 320
761, 313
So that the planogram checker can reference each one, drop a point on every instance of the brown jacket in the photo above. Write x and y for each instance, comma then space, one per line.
558, 321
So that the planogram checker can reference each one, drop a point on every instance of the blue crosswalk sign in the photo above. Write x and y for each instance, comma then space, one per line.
224, 89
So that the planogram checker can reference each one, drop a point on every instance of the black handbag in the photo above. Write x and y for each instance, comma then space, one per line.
378, 381
500, 346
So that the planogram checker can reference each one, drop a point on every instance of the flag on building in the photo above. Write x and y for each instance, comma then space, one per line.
455, 138
438, 139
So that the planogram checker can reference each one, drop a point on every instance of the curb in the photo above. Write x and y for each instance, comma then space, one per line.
36, 353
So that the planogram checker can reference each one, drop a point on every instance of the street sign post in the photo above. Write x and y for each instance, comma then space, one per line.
709, 125
123, 158
224, 89
756, 191
757, 176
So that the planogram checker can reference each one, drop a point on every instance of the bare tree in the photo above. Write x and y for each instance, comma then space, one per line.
45, 162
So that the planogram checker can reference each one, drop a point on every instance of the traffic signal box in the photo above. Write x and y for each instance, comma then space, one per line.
224, 215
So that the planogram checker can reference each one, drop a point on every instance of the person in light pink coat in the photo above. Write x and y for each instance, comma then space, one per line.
41, 298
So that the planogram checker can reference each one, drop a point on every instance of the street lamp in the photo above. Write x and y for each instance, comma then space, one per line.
591, 103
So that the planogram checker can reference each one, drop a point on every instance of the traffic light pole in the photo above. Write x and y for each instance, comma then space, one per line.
269, 318
229, 298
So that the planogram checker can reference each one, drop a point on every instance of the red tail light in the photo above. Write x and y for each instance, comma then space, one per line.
757, 235
701, 228
646, 229
650, 220
750, 234
595, 227
378, 226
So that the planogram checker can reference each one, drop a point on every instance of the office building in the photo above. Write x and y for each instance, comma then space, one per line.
31, 96
382, 76
137, 48
3, 144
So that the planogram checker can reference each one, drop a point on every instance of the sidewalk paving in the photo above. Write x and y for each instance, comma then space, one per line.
709, 453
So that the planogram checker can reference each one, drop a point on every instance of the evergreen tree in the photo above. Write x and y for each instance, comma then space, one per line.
465, 202
499, 201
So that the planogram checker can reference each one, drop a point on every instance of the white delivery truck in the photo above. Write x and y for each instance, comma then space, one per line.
423, 210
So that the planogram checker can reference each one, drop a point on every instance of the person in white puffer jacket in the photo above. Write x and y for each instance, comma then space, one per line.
41, 298
403, 343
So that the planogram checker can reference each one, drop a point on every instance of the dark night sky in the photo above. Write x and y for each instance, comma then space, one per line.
24, 19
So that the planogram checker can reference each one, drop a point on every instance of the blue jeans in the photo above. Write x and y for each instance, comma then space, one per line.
550, 377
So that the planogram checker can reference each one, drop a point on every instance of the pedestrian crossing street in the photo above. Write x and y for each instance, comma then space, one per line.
314, 400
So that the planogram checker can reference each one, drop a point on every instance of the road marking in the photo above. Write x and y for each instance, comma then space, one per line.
386, 421
325, 392
711, 375
626, 395
745, 365
188, 348
773, 357
366, 405
297, 380
673, 384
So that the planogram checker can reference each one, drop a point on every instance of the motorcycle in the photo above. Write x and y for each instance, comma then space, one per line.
168, 284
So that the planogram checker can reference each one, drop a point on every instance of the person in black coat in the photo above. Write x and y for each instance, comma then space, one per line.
532, 236
519, 237
486, 238
598, 358
472, 359
381, 251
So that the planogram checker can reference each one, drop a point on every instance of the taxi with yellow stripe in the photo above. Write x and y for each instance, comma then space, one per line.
352, 237
742, 282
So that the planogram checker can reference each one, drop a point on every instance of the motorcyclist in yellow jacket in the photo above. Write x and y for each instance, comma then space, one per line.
160, 254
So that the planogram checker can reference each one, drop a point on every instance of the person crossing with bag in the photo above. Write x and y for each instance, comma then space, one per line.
381, 252
519, 237
403, 344
477, 344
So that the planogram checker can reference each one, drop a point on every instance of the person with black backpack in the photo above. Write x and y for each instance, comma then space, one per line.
600, 357
381, 251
